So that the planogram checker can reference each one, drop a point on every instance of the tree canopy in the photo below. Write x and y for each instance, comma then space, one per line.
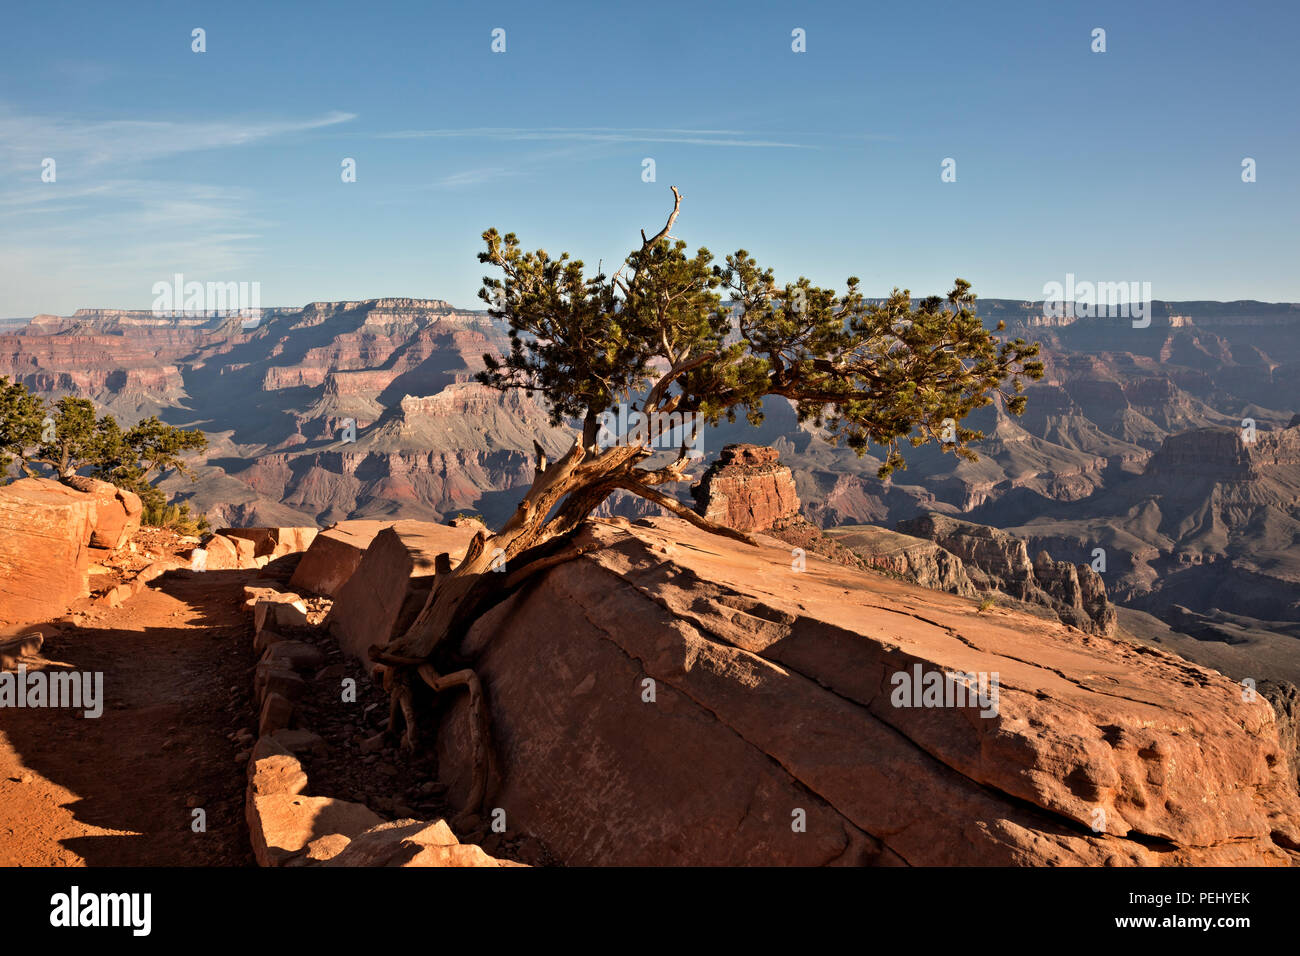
676, 333
69, 438
681, 333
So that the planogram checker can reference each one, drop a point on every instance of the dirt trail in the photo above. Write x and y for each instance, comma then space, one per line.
119, 789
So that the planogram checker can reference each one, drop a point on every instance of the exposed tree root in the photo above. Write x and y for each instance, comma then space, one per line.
478, 727
536, 538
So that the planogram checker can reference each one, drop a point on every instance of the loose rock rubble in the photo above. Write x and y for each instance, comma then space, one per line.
321, 728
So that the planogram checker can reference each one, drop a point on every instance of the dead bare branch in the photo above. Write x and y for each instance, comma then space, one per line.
672, 218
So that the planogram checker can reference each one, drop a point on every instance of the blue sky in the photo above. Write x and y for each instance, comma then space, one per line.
225, 165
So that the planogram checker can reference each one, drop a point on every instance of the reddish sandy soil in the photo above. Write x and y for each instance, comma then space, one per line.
119, 789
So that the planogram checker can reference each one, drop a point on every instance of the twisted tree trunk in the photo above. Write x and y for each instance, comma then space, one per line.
536, 537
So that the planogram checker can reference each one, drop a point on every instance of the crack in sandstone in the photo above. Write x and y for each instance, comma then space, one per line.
958, 636
1071, 824
1045, 814
786, 771
1134, 833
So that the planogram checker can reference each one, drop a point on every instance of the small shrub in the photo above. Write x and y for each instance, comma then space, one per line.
177, 517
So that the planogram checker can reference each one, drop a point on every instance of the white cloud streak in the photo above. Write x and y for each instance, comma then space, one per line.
599, 134
25, 140
115, 236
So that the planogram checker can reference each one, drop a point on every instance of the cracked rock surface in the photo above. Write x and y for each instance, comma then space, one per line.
680, 698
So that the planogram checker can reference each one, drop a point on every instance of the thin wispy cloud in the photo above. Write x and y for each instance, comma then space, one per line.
474, 177
26, 139
119, 234
601, 134
122, 235
522, 164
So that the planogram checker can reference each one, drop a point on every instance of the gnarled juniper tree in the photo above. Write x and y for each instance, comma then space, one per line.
680, 334
69, 438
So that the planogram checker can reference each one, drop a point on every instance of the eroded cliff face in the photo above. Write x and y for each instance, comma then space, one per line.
998, 561
747, 488
673, 697
428, 457
335, 410
1210, 523
135, 369
1224, 454
913, 559
1130, 443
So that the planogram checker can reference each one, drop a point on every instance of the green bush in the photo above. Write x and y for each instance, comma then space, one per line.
68, 439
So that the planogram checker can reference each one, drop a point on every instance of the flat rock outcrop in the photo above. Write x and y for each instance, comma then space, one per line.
673, 697
45, 533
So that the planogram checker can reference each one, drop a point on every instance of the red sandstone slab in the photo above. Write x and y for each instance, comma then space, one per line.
333, 556
44, 550
273, 542
388, 589
674, 697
